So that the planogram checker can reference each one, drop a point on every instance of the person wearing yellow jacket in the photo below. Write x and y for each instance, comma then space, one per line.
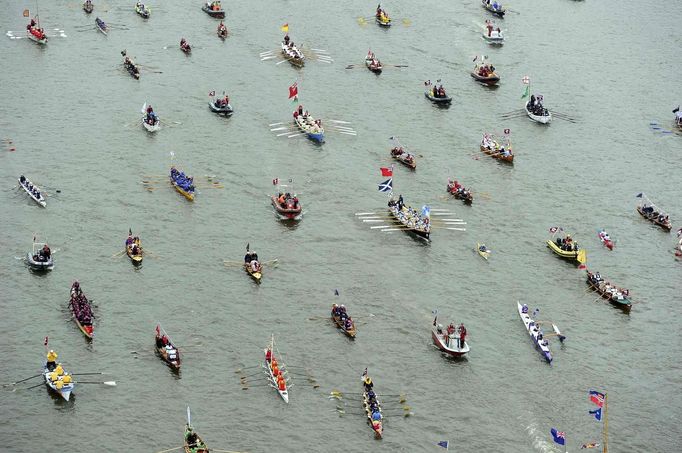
51, 360
59, 370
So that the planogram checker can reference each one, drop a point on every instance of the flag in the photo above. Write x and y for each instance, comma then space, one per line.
212, 93
526, 93
553, 230
597, 398
526, 80
26, 13
275, 181
559, 436
386, 186
426, 211
247, 246
445, 444
130, 232
336, 292
293, 90
285, 28
158, 330
386, 171
674, 111
679, 232
45, 337
639, 195
507, 131
365, 372
590, 445
596, 413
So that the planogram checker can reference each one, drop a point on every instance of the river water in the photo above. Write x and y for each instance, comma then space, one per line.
71, 112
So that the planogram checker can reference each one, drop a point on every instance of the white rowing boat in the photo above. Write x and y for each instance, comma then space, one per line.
151, 127
535, 332
545, 118
284, 393
32, 190
448, 342
58, 386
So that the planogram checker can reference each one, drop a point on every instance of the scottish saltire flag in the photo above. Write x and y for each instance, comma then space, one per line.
590, 445
426, 211
445, 444
596, 413
559, 436
597, 398
386, 186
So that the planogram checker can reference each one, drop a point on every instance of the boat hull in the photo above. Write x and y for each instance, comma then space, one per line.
39, 265
490, 80
573, 255
497, 155
493, 40
286, 214
135, 259
453, 351
255, 275
149, 127
384, 24
219, 14
340, 324
419, 233
485, 255
64, 392
624, 304
666, 226
317, 137
527, 320
227, 110
542, 119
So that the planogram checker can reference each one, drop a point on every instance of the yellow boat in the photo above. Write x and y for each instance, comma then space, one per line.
580, 255
483, 250
256, 275
135, 258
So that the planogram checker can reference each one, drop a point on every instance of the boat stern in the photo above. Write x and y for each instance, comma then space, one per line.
316, 137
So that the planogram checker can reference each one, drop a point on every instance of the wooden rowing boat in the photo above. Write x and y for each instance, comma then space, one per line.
309, 126
580, 255
88, 7
410, 220
255, 275
186, 48
483, 251
134, 251
341, 324
272, 379
142, 10
32, 190
655, 218
193, 442
376, 425
182, 184
222, 32
168, 352
496, 150
404, 157
459, 192
59, 387
131, 67
374, 65
86, 324
617, 297
293, 54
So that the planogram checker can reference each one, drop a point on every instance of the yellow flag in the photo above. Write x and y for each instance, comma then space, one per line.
285, 28
582, 256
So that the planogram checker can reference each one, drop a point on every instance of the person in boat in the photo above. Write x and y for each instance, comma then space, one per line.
183, 43
51, 360
286, 39
295, 202
401, 204
255, 266
367, 383
349, 324
281, 383
462, 334
489, 26
524, 309
191, 437
248, 258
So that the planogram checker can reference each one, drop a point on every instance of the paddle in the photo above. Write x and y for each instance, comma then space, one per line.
34, 386
23, 380
171, 449
86, 374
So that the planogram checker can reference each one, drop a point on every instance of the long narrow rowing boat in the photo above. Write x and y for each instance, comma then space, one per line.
410, 219
270, 373
542, 345
79, 301
311, 127
341, 324
33, 191
616, 296
168, 352
374, 421
656, 217
183, 184
101, 26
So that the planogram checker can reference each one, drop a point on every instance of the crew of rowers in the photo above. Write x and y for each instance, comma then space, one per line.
133, 244
485, 70
223, 102
251, 260
457, 189
372, 60
88, 6
607, 288
290, 49
32, 28
494, 5
653, 215
535, 106
678, 116
398, 151
80, 306
372, 405
286, 201
184, 45
214, 5
222, 29
185, 182
101, 24
142, 8
436, 91
382, 15
457, 332
489, 143
567, 244
27, 184
280, 381
57, 375
493, 30
193, 440
151, 118
43, 255
163, 342
339, 311
408, 216
535, 329
314, 125
129, 64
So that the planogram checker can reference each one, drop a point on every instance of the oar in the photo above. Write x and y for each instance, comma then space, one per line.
173, 449
396, 65
23, 380
109, 383
227, 451
118, 254
34, 386
86, 374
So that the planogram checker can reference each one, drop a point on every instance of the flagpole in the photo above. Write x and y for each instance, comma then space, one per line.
606, 424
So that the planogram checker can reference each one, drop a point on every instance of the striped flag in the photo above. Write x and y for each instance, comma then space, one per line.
597, 398
386, 186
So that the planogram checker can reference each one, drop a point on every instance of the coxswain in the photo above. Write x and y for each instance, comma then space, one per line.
268, 355
51, 360
368, 383
300, 109
286, 39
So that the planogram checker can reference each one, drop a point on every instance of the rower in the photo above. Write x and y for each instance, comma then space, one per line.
51, 360
247, 258
66, 379
349, 324
59, 370
191, 437
281, 383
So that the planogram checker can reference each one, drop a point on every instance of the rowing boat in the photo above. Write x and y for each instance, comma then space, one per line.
101, 26
605, 239
490, 6
186, 48
130, 66
37, 260
293, 54
410, 219
58, 386
168, 352
544, 118
183, 184
151, 127
404, 157
220, 109
657, 218
142, 10
616, 296
374, 65
375, 422
81, 311
448, 340
216, 13
382, 19
459, 192
88, 7
255, 274
311, 127
272, 378
497, 150
483, 251
535, 332
577, 255
193, 442
33, 191
134, 250
222, 32
341, 324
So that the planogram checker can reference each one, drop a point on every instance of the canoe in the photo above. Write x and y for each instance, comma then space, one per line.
423, 231
143, 11
218, 14
446, 100
448, 343
465, 195
667, 226
496, 154
135, 258
177, 182
101, 26
498, 12
542, 345
309, 128
542, 119
288, 213
34, 261
38, 197
271, 377
491, 79
340, 323
226, 110
375, 68
63, 390
149, 127
485, 253
616, 296
169, 353
256, 275
293, 54
88, 7
87, 330
199, 446
605, 239
578, 255
405, 158
376, 425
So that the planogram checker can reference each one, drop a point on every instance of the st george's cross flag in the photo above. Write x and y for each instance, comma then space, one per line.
386, 186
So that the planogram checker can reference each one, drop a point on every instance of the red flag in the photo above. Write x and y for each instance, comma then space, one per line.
212, 93
45, 341
26, 13
158, 332
386, 171
275, 181
293, 90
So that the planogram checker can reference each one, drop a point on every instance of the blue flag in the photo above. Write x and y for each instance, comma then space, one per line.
596, 413
386, 186
426, 211
444, 443
559, 436
639, 195
336, 292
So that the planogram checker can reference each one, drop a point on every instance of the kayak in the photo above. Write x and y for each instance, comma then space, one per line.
483, 250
